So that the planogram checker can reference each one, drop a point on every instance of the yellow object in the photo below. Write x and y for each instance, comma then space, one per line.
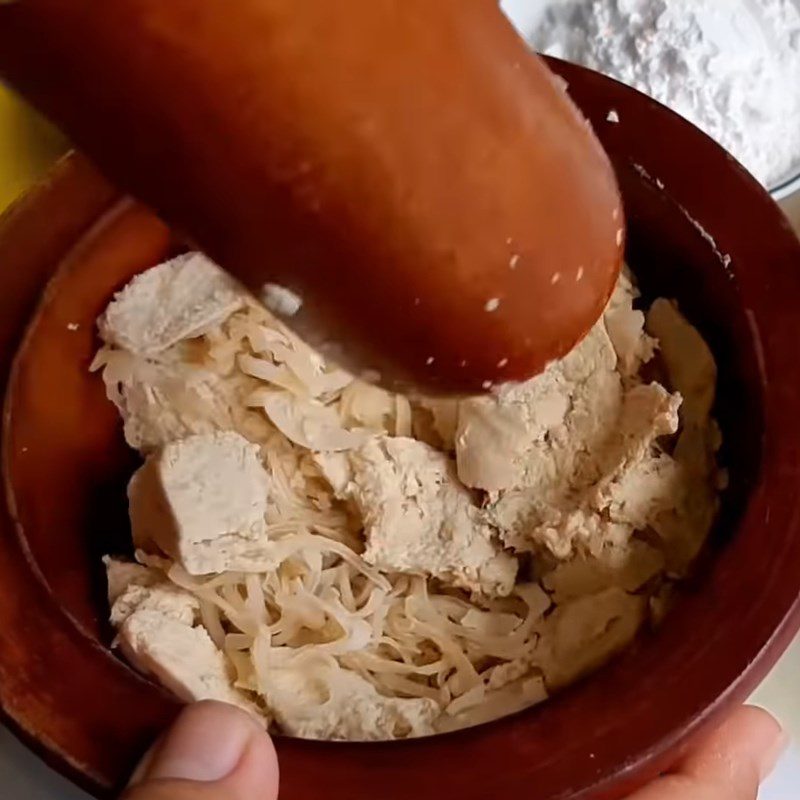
28, 146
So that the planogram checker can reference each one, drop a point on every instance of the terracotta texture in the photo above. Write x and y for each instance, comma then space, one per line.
385, 160
66, 465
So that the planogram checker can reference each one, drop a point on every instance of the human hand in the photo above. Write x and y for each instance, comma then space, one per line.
216, 752
212, 752
729, 764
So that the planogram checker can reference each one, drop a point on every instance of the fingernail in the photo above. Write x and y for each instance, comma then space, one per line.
205, 744
772, 755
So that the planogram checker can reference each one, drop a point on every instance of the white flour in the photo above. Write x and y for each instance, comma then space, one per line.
732, 67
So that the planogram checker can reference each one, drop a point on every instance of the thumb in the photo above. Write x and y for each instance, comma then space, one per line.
727, 765
212, 752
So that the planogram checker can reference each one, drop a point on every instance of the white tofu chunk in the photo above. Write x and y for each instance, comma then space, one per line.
582, 635
163, 598
690, 365
132, 587
625, 326
182, 658
628, 566
312, 705
179, 299
202, 501
529, 433
122, 574
417, 517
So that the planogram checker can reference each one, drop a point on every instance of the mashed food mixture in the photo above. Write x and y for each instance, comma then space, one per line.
352, 564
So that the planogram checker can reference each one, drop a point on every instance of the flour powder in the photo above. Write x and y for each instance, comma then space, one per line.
732, 67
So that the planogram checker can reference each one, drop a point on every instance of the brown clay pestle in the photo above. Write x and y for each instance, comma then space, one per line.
406, 166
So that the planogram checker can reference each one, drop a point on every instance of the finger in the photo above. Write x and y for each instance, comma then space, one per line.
729, 764
212, 752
